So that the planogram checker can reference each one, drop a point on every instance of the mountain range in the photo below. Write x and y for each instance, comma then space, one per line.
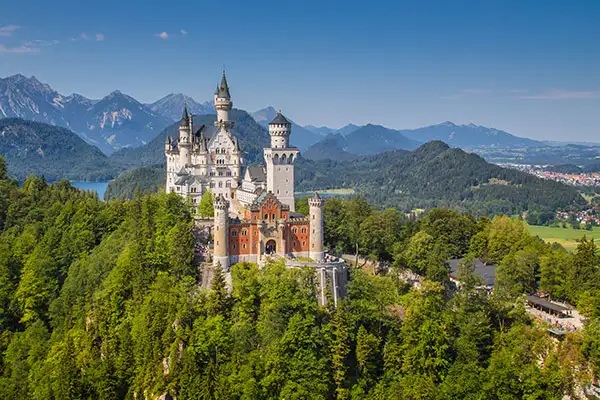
120, 121
113, 122
352, 141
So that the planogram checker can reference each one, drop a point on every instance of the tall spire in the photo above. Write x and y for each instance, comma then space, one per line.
223, 88
185, 117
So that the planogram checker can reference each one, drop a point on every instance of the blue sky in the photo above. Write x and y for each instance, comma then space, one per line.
529, 67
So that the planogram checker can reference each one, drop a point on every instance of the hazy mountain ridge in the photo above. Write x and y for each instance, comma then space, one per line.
372, 139
365, 140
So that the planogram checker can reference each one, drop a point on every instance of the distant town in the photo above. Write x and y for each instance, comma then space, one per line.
541, 171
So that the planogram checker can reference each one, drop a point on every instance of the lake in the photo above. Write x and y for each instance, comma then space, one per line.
98, 187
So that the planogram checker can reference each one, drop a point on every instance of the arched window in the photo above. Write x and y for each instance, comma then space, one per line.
228, 184
220, 184
284, 159
244, 232
212, 185
303, 230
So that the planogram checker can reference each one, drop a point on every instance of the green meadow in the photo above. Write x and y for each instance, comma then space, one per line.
567, 237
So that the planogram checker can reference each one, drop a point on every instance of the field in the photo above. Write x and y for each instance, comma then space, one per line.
565, 236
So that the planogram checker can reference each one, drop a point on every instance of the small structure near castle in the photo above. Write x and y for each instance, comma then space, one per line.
254, 212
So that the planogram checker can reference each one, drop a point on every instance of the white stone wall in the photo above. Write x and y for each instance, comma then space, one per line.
280, 174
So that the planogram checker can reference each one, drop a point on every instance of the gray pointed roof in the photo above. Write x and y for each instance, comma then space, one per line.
223, 88
279, 119
185, 118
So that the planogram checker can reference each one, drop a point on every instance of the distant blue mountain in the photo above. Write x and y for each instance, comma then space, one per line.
366, 140
468, 136
373, 139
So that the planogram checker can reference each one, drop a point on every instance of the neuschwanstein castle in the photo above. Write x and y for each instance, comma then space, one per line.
254, 205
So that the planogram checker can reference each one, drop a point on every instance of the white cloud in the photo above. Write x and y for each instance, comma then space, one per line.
99, 37
183, 32
162, 35
8, 30
563, 94
23, 49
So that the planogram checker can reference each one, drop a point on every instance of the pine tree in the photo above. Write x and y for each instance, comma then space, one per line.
339, 352
219, 298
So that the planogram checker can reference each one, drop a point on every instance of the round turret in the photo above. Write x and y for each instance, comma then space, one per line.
315, 205
280, 130
223, 103
221, 232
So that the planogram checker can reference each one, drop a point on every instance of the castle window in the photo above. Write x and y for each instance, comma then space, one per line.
212, 185
303, 230
273, 216
303, 243
244, 246
313, 216
234, 246
313, 231
266, 216
295, 230
313, 245
244, 232
220, 184
295, 243
233, 233
228, 184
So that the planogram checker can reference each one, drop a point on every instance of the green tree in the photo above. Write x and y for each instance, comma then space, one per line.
417, 253
355, 211
340, 350
206, 208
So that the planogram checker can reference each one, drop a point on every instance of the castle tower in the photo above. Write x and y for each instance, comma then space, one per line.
185, 138
315, 205
221, 232
280, 158
223, 103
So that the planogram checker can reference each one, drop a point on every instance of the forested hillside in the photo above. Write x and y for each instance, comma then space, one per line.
149, 179
100, 300
437, 175
51, 151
